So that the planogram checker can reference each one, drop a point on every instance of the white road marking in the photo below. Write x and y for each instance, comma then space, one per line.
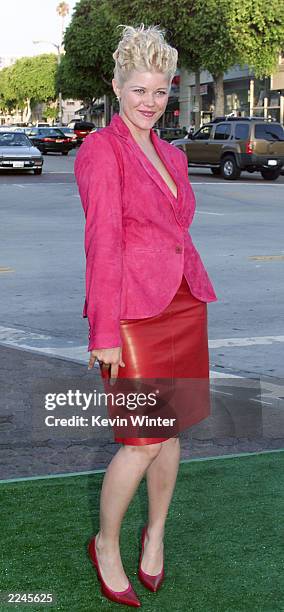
252, 399
13, 335
251, 341
32, 184
79, 354
63, 348
42, 343
206, 212
55, 346
193, 182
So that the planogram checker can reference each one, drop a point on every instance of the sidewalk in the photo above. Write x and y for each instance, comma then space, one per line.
240, 426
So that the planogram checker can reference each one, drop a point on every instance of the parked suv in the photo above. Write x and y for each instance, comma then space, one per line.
236, 144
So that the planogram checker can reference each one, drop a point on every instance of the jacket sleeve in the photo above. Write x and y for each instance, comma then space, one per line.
98, 177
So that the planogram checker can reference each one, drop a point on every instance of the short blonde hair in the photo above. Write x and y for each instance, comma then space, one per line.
143, 49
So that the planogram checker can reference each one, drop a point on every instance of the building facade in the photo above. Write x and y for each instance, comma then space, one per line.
244, 94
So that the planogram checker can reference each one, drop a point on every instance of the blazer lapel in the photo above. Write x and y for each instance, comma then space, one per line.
163, 154
146, 163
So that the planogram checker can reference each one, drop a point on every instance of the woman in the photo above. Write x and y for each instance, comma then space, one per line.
146, 288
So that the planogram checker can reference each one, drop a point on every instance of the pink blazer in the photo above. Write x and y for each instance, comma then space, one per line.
136, 235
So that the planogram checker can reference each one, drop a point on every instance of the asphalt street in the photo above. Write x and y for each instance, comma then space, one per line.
238, 230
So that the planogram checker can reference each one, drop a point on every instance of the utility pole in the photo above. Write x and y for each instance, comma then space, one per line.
62, 10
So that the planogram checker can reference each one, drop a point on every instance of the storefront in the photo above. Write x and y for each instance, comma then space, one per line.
244, 94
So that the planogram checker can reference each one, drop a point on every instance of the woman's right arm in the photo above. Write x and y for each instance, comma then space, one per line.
98, 177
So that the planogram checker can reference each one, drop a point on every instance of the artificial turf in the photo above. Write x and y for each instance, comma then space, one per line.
223, 541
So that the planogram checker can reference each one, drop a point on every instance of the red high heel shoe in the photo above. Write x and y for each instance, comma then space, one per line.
127, 597
152, 583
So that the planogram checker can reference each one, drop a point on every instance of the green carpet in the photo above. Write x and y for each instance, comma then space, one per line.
223, 543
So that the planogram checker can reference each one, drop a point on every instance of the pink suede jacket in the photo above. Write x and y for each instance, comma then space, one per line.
136, 237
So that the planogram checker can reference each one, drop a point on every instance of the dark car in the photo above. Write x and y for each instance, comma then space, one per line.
82, 129
233, 145
18, 153
50, 140
69, 133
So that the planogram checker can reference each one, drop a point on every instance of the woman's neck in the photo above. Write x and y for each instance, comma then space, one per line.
143, 137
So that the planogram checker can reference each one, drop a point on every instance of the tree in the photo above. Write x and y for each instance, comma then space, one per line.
89, 41
214, 34
62, 10
7, 96
237, 32
50, 112
208, 34
29, 81
262, 33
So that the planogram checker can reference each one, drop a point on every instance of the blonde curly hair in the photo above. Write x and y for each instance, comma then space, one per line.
143, 49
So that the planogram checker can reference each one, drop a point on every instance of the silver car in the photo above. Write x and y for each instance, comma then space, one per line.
18, 153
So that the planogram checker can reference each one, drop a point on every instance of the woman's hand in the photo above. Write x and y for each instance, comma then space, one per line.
108, 357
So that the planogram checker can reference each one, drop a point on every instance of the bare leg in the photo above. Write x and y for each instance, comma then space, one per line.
161, 479
121, 480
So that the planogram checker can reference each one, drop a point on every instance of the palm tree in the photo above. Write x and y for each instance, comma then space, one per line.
63, 10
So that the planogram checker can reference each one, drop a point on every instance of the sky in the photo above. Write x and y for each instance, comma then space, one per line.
23, 21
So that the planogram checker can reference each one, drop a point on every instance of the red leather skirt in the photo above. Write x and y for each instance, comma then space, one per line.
172, 344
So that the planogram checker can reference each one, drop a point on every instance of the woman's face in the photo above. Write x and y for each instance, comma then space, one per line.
143, 98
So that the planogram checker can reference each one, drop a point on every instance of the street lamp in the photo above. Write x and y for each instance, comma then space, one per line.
58, 49
62, 10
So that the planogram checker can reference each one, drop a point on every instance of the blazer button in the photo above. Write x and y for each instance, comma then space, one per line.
179, 249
